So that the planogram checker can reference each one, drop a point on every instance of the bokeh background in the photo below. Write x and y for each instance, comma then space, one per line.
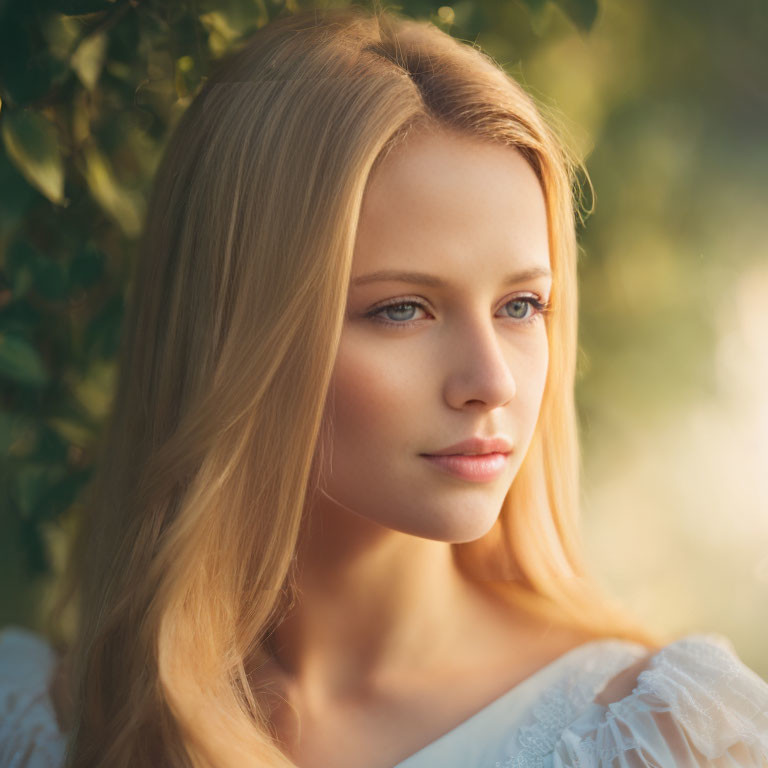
667, 100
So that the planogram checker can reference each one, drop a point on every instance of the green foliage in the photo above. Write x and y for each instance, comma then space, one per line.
31, 142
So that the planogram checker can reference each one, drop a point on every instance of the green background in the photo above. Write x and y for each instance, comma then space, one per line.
668, 103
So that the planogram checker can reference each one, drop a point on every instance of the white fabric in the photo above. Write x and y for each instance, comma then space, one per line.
29, 734
695, 705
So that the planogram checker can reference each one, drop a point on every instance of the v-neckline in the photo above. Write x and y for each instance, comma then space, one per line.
414, 760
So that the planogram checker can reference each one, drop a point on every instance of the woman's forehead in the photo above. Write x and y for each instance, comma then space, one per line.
442, 201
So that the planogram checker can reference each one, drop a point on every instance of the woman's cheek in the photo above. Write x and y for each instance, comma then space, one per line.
373, 388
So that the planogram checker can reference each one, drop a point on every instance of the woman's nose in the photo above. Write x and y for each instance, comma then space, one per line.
479, 367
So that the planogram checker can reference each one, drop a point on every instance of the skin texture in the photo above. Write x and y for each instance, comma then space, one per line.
380, 596
470, 214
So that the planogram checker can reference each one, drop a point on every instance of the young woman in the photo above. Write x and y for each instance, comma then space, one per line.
334, 522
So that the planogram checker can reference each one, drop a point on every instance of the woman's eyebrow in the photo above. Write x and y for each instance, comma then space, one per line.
437, 282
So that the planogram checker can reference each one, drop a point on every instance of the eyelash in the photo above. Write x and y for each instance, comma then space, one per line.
542, 309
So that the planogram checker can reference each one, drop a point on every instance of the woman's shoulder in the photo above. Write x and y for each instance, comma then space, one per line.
691, 702
29, 733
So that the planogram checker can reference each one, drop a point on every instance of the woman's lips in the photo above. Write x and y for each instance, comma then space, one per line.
479, 468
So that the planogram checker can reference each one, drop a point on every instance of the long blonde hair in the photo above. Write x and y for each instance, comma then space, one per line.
184, 560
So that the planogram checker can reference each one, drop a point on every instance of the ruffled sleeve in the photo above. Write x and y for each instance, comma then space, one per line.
29, 733
695, 704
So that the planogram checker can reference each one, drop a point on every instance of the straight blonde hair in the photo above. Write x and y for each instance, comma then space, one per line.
184, 561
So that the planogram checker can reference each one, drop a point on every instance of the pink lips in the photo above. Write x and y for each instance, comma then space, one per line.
477, 445
479, 468
477, 459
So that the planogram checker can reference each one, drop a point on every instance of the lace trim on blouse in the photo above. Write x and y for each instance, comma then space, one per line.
563, 701
695, 705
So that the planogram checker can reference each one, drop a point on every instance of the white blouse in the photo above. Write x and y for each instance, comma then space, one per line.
695, 704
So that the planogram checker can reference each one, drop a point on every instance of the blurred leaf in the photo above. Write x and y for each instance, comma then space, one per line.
159, 65
80, 7
102, 336
8, 423
535, 5
125, 44
93, 392
126, 207
60, 494
23, 281
28, 70
20, 266
26, 268
81, 117
51, 279
32, 144
15, 195
72, 431
32, 481
187, 76
582, 12
118, 69
86, 268
33, 546
20, 362
16, 433
231, 20
61, 32
220, 34
88, 59
51, 448
20, 318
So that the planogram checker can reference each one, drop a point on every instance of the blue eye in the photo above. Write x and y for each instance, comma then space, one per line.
398, 310
521, 303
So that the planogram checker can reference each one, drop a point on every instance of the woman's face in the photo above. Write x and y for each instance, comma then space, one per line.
424, 365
